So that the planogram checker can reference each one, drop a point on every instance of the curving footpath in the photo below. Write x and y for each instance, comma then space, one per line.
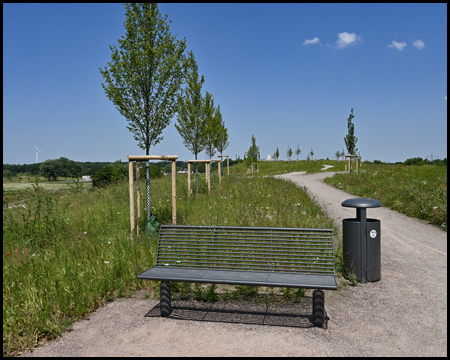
404, 314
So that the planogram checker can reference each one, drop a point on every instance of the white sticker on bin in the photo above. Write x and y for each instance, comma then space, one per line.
373, 234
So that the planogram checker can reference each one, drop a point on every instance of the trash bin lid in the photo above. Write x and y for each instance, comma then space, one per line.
361, 203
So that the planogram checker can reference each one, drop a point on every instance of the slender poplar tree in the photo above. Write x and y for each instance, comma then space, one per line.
350, 139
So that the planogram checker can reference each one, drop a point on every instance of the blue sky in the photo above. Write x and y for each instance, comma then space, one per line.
287, 73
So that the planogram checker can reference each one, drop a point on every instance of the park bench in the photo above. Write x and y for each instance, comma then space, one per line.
258, 256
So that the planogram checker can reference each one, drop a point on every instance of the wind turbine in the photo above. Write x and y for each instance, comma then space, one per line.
37, 154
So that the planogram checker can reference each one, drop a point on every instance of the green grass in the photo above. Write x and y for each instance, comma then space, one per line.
64, 256
281, 167
417, 191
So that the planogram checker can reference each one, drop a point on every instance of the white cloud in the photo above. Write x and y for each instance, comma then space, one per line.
445, 97
397, 45
419, 44
313, 41
346, 40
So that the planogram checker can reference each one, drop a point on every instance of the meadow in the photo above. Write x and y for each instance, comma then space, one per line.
416, 191
67, 252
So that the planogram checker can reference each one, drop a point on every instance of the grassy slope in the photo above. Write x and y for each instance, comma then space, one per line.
417, 191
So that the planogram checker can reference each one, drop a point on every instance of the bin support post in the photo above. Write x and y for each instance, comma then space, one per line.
361, 216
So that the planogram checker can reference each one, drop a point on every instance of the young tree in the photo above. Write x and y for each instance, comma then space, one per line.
312, 154
289, 153
212, 125
252, 155
276, 155
350, 139
338, 155
298, 151
222, 139
191, 121
145, 75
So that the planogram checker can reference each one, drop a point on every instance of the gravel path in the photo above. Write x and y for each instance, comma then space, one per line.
404, 314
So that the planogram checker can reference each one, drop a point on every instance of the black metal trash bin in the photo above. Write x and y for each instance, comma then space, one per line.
361, 241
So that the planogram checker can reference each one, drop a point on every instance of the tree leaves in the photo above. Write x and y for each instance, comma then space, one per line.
145, 74
350, 139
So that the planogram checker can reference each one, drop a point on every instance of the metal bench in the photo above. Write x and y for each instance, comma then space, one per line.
259, 256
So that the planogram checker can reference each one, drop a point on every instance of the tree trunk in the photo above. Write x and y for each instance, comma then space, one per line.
147, 174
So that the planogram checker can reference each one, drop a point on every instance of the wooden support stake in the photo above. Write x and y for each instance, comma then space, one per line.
174, 192
189, 179
131, 196
228, 165
208, 177
220, 175
138, 195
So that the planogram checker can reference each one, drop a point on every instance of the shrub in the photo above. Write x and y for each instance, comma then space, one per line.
106, 175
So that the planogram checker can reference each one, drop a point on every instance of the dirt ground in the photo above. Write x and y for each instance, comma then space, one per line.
403, 314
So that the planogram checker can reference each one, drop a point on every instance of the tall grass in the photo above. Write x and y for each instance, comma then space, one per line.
64, 256
417, 191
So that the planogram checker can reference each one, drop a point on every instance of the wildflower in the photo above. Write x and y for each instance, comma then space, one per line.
109, 242
84, 233
17, 250
25, 249
106, 262
33, 255
442, 186
8, 254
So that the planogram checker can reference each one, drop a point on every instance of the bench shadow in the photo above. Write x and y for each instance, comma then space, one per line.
285, 315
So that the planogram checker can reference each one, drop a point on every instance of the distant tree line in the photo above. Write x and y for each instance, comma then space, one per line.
63, 167
417, 161
53, 167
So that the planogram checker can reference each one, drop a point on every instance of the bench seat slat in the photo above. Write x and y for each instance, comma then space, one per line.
236, 277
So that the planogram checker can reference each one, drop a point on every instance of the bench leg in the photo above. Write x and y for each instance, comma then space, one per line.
318, 307
165, 298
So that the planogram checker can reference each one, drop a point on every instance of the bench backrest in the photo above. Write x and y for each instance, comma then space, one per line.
247, 248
